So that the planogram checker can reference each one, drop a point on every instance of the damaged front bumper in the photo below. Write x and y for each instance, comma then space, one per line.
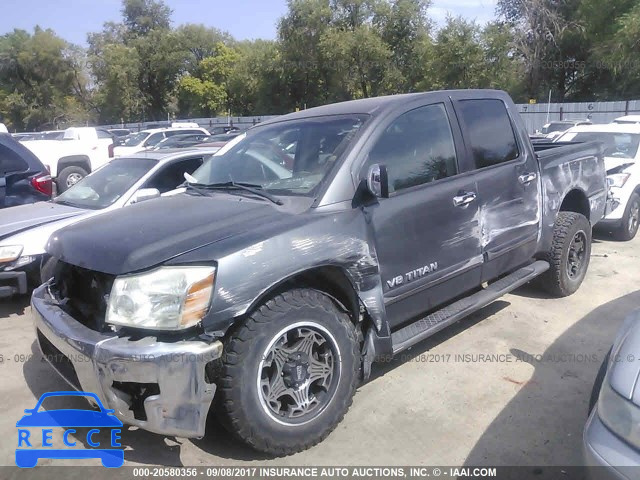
158, 386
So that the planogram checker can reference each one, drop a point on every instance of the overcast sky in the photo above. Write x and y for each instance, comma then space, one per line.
244, 19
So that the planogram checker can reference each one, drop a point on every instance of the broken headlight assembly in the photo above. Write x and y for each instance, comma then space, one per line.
168, 298
618, 179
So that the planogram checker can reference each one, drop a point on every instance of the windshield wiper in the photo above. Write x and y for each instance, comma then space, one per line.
248, 187
196, 188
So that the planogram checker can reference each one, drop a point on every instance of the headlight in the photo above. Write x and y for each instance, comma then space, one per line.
10, 253
618, 179
620, 415
169, 298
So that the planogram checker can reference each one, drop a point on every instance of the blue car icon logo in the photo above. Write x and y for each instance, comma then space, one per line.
35, 439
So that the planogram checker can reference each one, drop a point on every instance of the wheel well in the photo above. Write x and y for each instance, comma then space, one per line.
330, 280
576, 201
75, 161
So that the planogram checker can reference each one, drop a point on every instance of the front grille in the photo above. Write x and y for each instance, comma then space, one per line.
59, 360
83, 294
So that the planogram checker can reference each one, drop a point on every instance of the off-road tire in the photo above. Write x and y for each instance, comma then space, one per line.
65, 173
240, 408
556, 280
629, 227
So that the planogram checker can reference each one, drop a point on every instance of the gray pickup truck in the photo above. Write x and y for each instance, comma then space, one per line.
265, 294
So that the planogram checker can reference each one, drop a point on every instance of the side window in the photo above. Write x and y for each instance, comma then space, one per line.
416, 148
172, 175
489, 131
11, 162
103, 134
154, 139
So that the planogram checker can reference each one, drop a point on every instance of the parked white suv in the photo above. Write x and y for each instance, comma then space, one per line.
622, 161
137, 142
81, 151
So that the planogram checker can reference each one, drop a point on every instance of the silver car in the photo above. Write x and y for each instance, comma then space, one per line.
611, 437
25, 230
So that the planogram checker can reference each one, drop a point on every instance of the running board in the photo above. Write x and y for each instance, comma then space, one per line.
436, 321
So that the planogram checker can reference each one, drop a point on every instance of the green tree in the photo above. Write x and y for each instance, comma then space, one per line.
40, 79
209, 93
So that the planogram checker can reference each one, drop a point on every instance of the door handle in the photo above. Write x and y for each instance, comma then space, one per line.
464, 199
527, 178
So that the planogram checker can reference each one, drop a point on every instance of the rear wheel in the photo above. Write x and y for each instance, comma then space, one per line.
289, 373
569, 256
69, 176
627, 231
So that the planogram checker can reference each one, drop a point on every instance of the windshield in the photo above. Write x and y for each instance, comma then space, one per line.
620, 145
288, 158
105, 186
134, 139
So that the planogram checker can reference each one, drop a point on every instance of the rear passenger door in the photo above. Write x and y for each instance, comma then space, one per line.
426, 232
506, 173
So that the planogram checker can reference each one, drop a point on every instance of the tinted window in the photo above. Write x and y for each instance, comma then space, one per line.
103, 134
182, 131
489, 131
11, 162
172, 175
154, 139
416, 148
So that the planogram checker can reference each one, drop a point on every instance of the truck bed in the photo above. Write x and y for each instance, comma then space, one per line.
567, 166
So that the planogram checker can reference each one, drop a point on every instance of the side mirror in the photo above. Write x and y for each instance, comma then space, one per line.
378, 181
144, 194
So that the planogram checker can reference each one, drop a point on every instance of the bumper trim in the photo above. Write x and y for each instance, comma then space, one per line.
100, 359
20, 279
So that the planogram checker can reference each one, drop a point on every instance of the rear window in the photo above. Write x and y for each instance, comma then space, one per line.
489, 131
11, 162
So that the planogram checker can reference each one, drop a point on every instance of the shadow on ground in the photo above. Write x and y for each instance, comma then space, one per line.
14, 305
543, 421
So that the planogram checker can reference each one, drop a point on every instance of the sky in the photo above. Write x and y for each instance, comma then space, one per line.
244, 19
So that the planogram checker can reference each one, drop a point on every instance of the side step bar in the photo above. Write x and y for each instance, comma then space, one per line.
436, 321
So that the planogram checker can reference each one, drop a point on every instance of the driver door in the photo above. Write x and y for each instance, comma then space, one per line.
427, 232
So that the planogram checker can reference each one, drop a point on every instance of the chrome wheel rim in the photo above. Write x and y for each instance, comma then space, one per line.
577, 253
73, 178
299, 373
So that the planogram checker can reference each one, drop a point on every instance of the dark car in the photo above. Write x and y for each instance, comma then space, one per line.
181, 141
23, 178
223, 129
305, 250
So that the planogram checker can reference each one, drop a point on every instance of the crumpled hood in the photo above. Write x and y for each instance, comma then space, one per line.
18, 219
150, 233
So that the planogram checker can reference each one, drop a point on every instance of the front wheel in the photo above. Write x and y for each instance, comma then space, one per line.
631, 219
289, 373
569, 256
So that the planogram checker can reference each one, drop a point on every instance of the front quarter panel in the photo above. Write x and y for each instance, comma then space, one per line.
245, 275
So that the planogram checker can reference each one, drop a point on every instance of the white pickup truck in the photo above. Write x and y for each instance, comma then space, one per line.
81, 151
